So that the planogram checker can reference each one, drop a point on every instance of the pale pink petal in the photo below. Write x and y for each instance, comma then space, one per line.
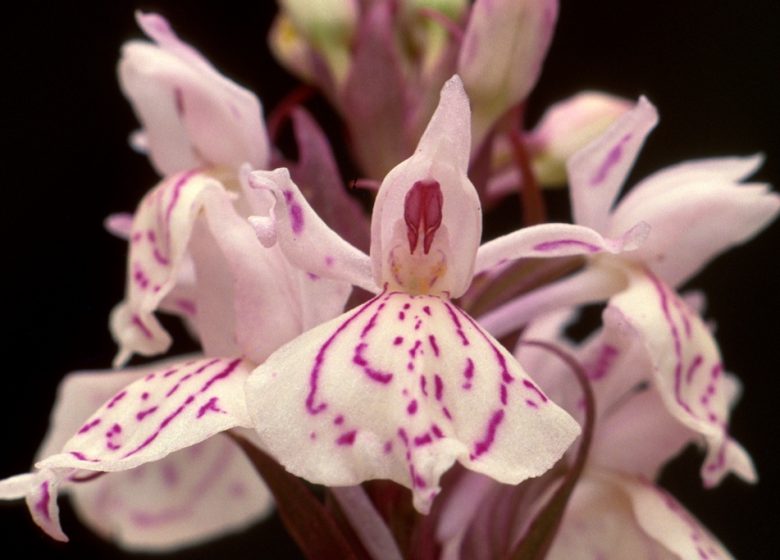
306, 241
164, 411
597, 171
40, 492
686, 366
427, 222
670, 524
556, 240
696, 212
119, 224
160, 233
400, 388
188, 497
191, 114
369, 526
599, 523
249, 296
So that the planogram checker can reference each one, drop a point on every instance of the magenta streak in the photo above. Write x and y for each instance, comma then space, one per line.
697, 361
678, 304
437, 431
177, 187
503, 394
717, 369
427, 310
166, 374
411, 408
413, 349
144, 413
417, 324
371, 322
338, 420
533, 404
458, 326
559, 243
42, 505
676, 337
190, 375
417, 480
160, 258
210, 405
468, 373
506, 377
347, 438
81, 457
434, 346
422, 440
446, 412
603, 363
401, 315
527, 383
483, 446
424, 385
613, 157
221, 375
439, 387
136, 320
375, 374
320, 358
118, 397
88, 426
398, 341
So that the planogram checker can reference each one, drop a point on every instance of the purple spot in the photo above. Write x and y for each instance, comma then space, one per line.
533, 404
613, 157
503, 394
347, 438
407, 305
398, 341
535, 389
434, 346
437, 431
468, 373
424, 385
329, 261
160, 258
401, 315
118, 397
561, 243
136, 320
697, 361
438, 387
296, 217
413, 349
312, 436
338, 420
42, 505
210, 405
446, 412
170, 372
427, 310
88, 426
422, 440
376, 375
144, 413
483, 446
603, 362
312, 276
412, 407
144, 396
417, 325
170, 475
388, 447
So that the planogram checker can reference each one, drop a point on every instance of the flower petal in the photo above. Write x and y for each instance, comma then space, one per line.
40, 492
172, 503
670, 524
556, 240
250, 300
696, 211
597, 171
162, 412
159, 237
401, 388
686, 365
305, 239
430, 196
191, 114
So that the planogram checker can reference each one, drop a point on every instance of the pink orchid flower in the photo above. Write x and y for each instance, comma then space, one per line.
406, 384
696, 210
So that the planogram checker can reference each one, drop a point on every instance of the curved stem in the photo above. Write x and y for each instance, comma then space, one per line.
540, 535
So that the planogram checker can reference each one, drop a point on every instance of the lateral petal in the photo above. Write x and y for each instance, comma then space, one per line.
191, 114
400, 388
307, 241
161, 231
597, 171
556, 240
686, 365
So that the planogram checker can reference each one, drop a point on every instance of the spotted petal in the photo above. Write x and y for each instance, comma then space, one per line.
158, 241
191, 114
686, 366
598, 170
400, 388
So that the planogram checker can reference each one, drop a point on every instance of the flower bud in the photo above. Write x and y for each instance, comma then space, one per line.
502, 54
566, 127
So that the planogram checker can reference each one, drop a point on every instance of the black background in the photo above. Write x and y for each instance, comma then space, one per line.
711, 68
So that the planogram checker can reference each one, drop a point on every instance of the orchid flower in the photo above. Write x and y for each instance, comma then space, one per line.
695, 210
615, 505
191, 251
408, 383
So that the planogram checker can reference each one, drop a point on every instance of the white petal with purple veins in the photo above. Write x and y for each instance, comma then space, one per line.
598, 170
400, 388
